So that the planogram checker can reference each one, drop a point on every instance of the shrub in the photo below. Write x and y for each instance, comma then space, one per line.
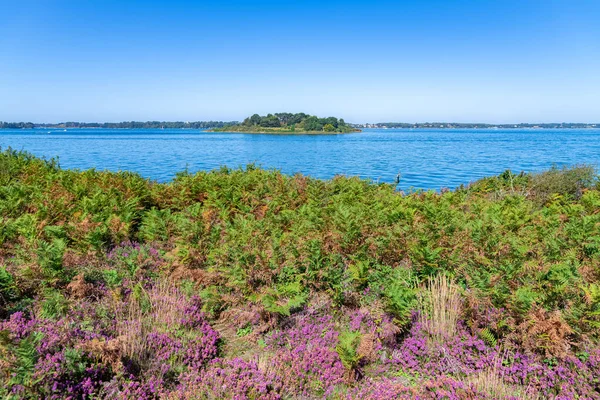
568, 182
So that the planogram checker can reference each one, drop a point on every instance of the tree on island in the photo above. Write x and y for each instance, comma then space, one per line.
328, 128
270, 121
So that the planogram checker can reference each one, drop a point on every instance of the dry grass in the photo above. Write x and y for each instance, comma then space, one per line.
441, 307
152, 311
491, 383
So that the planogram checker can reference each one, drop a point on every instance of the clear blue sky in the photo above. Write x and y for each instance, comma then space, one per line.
365, 61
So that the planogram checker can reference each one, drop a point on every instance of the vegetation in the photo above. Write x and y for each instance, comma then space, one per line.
289, 123
251, 284
463, 125
119, 125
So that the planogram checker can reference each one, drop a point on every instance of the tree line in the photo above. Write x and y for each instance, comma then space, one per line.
459, 125
120, 125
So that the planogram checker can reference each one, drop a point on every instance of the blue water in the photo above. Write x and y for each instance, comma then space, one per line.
427, 159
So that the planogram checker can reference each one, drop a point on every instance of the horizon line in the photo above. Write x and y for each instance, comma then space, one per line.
352, 123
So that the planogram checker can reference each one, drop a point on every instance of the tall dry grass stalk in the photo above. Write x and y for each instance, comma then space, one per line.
490, 382
441, 306
153, 311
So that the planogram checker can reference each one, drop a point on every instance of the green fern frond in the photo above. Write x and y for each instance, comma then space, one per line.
26, 355
347, 349
488, 337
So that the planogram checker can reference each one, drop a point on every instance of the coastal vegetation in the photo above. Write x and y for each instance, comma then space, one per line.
119, 125
468, 125
251, 284
289, 123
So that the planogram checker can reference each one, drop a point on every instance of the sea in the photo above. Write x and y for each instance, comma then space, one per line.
427, 159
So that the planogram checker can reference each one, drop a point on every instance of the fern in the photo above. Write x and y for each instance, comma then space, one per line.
488, 337
50, 257
54, 304
347, 349
8, 289
592, 296
27, 356
284, 299
523, 299
359, 272
54, 231
401, 298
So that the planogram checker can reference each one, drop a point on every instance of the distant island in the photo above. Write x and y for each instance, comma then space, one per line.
285, 123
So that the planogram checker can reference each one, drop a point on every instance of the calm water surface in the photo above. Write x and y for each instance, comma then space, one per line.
427, 159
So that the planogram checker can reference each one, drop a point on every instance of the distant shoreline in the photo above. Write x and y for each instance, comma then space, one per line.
357, 127
284, 133
444, 125
309, 132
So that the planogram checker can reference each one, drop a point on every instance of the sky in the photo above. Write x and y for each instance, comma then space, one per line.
365, 61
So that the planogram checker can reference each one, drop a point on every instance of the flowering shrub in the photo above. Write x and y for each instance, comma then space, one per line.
132, 260
464, 356
68, 371
84, 353
229, 379
304, 357
459, 355
44, 360
163, 333
442, 388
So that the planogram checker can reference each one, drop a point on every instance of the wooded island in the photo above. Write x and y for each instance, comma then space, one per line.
289, 123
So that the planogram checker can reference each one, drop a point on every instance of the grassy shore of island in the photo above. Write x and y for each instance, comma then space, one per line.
274, 131
251, 284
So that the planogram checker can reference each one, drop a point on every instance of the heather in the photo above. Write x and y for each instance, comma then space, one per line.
251, 284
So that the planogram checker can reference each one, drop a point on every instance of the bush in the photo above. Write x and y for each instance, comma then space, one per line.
567, 182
